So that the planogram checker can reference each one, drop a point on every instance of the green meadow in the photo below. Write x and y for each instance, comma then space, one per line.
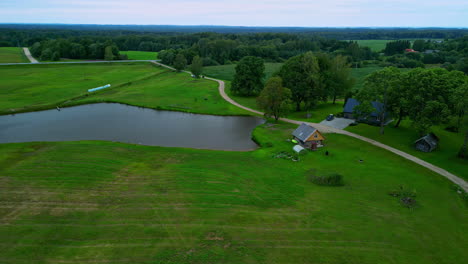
12, 55
106, 202
35, 87
102, 202
403, 138
140, 55
359, 74
227, 72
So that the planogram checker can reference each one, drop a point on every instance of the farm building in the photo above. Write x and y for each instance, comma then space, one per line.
309, 137
372, 119
427, 143
410, 50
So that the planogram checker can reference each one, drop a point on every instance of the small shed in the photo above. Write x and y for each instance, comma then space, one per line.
309, 137
427, 143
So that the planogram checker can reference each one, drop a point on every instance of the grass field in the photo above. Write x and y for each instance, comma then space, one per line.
374, 44
403, 138
33, 87
359, 75
140, 55
102, 202
226, 72
12, 55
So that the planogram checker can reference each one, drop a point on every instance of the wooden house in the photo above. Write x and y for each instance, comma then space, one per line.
309, 137
427, 143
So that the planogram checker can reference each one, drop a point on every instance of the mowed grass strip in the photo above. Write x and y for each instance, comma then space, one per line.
36, 87
12, 55
140, 55
173, 205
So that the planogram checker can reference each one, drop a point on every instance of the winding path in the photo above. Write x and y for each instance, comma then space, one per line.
455, 179
30, 57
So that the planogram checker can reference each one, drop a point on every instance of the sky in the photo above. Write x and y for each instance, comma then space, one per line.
303, 13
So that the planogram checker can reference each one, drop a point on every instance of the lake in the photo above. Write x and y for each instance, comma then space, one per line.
130, 124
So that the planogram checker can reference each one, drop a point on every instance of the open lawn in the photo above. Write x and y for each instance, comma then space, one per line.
227, 72
102, 202
34, 87
403, 138
140, 55
12, 55
374, 44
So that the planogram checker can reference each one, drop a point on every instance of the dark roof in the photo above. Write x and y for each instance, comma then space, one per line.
303, 132
430, 139
351, 103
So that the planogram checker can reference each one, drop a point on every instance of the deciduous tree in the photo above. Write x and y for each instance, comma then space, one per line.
180, 62
274, 99
197, 66
248, 79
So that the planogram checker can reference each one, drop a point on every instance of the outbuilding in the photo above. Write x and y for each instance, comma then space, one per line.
427, 143
309, 137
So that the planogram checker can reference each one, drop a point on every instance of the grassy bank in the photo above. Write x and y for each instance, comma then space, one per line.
12, 55
97, 201
37, 87
140, 55
403, 138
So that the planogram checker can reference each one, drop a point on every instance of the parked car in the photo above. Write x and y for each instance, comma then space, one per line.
330, 117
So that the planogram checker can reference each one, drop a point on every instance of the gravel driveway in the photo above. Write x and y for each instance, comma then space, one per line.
337, 122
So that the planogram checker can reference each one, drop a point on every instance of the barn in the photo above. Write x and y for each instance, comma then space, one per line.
427, 143
309, 137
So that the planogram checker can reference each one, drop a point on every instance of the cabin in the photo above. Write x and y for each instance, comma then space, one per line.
427, 143
308, 137
372, 119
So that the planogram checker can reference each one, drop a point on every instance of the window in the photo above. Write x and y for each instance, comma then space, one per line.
315, 136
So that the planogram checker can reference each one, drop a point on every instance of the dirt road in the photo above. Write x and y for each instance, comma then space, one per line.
30, 57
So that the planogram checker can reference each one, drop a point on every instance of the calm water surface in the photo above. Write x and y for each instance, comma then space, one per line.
129, 124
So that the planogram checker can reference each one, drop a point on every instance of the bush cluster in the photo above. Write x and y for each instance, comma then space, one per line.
332, 179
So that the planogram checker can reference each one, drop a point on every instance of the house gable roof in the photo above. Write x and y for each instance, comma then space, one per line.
351, 103
430, 139
303, 132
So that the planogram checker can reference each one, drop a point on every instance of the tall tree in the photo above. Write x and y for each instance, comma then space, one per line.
108, 54
274, 99
340, 77
378, 87
197, 66
248, 79
419, 45
180, 62
429, 96
301, 74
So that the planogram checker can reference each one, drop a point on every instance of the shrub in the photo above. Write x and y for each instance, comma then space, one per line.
332, 179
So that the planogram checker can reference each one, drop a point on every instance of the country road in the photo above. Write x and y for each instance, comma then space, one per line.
453, 178
30, 57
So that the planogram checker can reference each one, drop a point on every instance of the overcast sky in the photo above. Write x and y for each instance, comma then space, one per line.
307, 13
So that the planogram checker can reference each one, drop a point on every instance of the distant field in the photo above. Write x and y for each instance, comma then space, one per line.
360, 74
226, 72
33, 87
12, 55
140, 55
374, 44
